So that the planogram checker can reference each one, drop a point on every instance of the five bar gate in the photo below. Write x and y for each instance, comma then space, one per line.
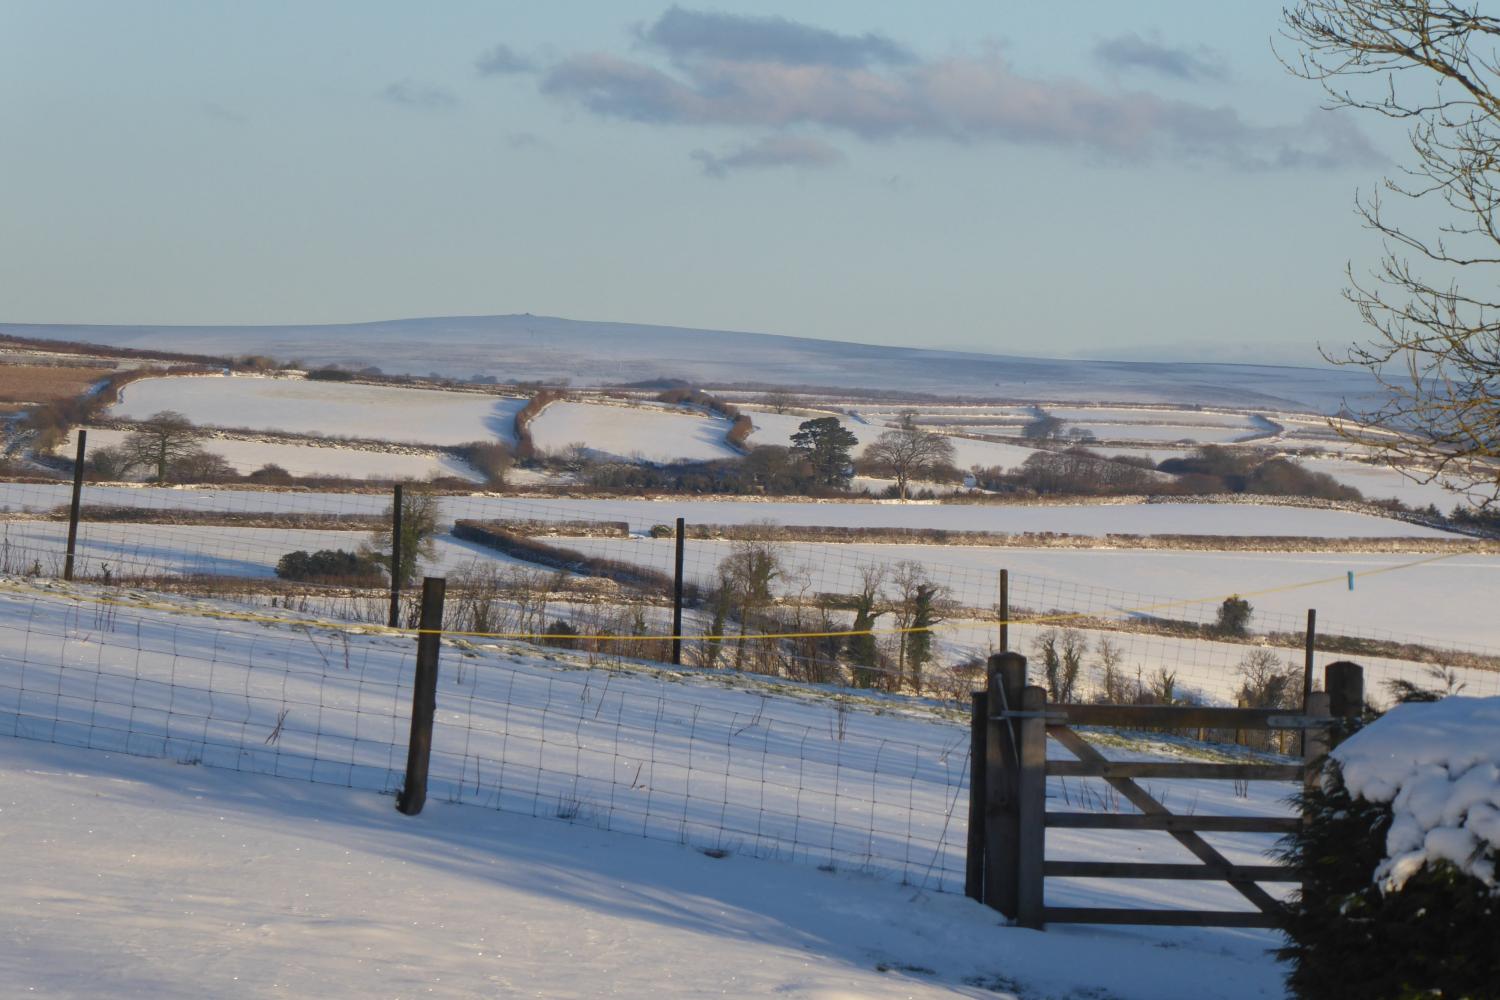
1008, 817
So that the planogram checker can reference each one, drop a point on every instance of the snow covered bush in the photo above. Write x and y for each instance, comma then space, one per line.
1398, 855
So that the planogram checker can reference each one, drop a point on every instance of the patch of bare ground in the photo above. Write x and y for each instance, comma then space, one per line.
45, 383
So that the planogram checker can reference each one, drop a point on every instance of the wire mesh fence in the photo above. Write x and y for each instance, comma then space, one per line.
181, 639
746, 769
781, 598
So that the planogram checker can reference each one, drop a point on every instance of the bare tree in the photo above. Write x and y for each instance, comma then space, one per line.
779, 400
749, 571
864, 653
1430, 301
160, 440
908, 451
419, 525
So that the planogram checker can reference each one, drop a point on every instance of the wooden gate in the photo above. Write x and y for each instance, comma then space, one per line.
1008, 817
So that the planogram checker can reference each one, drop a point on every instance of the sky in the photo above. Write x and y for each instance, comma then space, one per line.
1091, 179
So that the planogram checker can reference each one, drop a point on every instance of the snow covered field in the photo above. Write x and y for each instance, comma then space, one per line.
1165, 433
1380, 482
654, 433
140, 876
1081, 519
307, 460
778, 428
1108, 581
336, 409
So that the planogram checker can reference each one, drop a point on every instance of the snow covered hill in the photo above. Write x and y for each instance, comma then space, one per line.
524, 347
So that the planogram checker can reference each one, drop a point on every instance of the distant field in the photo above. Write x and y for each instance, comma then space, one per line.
44, 383
296, 406
655, 434
307, 460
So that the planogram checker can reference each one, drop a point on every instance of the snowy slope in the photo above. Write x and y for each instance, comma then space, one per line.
1080, 519
137, 878
295, 406
304, 459
526, 347
654, 434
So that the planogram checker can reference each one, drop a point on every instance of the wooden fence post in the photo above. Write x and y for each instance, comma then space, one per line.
1002, 769
1317, 741
1309, 647
423, 697
677, 594
1032, 847
1345, 684
76, 507
1004, 607
979, 725
397, 570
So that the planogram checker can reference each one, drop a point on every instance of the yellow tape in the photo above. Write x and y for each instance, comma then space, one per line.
364, 628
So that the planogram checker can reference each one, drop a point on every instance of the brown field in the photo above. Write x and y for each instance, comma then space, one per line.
44, 383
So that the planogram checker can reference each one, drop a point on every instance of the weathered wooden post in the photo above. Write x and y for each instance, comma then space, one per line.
677, 594
1004, 607
1002, 768
1345, 684
1032, 843
397, 570
1309, 647
424, 697
77, 506
1317, 740
1310, 642
979, 724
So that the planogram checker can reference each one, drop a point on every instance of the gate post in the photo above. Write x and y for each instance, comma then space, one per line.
1345, 684
1032, 846
1318, 740
974, 850
1002, 770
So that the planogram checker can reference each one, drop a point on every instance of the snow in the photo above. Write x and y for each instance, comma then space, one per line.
1080, 519
335, 409
180, 877
968, 452
778, 428
1438, 765
651, 433
142, 878
549, 348
1166, 433
1151, 416
1175, 583
307, 460
1381, 482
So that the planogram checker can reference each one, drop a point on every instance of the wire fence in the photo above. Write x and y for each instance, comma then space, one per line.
746, 768
180, 640
781, 599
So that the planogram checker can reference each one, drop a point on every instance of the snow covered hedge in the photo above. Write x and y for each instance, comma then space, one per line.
1399, 859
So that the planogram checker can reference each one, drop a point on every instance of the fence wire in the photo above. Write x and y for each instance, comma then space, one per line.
741, 769
601, 571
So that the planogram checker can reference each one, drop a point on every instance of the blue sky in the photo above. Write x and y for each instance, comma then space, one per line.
1092, 179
